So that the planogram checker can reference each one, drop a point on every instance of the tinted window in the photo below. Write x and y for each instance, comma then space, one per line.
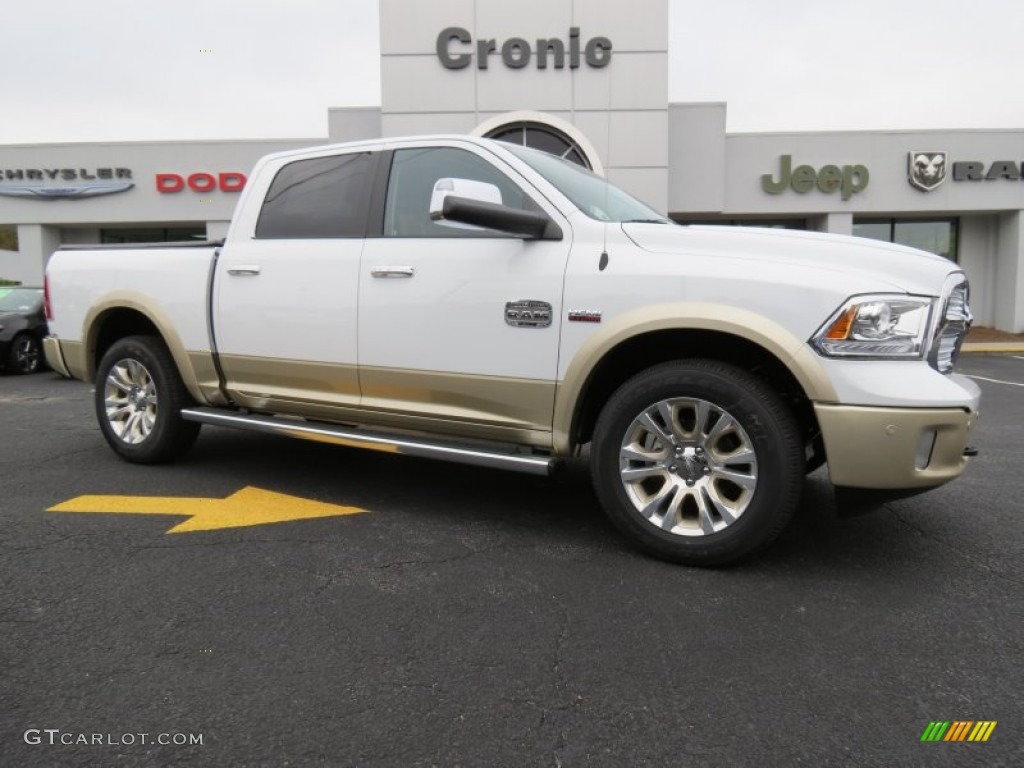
413, 175
321, 197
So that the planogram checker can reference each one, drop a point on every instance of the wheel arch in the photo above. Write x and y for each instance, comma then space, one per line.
641, 339
120, 316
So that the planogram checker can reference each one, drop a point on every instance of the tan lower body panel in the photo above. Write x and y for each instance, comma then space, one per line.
505, 402
55, 357
206, 376
485, 407
893, 448
73, 354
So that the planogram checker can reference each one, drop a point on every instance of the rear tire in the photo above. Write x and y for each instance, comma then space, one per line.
698, 462
139, 397
25, 355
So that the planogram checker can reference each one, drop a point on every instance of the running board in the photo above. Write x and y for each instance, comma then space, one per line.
374, 441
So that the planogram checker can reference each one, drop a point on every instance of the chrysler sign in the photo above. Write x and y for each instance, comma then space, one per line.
64, 183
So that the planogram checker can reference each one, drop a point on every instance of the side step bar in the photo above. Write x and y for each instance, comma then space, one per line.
374, 441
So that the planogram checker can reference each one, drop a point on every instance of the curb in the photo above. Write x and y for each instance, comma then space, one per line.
998, 347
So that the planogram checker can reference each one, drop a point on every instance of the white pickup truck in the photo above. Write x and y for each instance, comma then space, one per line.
469, 300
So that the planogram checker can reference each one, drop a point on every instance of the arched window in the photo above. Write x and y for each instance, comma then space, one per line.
546, 138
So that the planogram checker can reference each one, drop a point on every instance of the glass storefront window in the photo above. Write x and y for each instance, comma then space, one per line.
939, 236
933, 236
876, 230
768, 223
8, 238
152, 234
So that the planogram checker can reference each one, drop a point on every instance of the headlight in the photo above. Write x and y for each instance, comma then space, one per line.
877, 326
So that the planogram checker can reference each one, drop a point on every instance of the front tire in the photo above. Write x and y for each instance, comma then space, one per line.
139, 397
698, 462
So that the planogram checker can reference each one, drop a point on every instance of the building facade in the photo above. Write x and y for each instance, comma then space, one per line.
586, 79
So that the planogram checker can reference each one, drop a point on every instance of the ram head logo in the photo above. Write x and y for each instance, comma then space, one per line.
926, 170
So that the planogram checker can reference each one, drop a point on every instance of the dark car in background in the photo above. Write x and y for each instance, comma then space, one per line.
22, 328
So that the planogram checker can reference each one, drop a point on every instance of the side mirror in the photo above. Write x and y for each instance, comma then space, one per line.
472, 204
480, 191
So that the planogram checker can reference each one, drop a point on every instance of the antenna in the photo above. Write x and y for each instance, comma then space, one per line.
607, 162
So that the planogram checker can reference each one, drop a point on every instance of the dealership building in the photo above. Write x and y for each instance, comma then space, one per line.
587, 81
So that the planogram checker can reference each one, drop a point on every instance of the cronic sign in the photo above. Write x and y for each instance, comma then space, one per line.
455, 49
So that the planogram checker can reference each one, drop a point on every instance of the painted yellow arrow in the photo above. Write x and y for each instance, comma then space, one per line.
249, 506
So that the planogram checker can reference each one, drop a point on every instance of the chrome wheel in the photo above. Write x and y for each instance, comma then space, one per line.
130, 401
688, 467
25, 354
138, 398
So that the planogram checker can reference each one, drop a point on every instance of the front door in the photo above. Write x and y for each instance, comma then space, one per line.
459, 326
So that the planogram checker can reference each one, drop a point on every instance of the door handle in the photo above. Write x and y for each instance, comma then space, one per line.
393, 271
244, 270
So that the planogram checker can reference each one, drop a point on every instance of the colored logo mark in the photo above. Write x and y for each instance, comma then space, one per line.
958, 730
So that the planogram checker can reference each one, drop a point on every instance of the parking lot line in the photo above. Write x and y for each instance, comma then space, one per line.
995, 381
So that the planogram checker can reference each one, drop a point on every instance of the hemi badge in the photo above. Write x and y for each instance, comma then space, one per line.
584, 316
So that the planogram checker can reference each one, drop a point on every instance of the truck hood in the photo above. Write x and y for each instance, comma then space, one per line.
853, 260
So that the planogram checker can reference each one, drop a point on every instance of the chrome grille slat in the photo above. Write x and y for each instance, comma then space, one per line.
952, 327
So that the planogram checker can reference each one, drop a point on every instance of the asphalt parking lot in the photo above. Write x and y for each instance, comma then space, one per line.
473, 617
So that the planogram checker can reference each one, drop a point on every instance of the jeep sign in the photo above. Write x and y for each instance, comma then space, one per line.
849, 179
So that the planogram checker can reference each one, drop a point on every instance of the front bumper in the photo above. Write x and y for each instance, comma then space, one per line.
894, 448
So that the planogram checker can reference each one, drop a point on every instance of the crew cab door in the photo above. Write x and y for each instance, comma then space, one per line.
459, 326
284, 306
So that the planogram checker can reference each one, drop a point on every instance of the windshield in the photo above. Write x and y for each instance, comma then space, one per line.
592, 194
20, 299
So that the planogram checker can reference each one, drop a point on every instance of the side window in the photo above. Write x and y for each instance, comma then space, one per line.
318, 198
413, 175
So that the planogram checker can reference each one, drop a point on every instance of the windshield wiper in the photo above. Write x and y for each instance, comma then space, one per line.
648, 221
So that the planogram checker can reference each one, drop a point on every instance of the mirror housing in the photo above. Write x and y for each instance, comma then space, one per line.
481, 191
478, 204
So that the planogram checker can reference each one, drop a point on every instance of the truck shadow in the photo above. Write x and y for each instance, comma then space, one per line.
560, 510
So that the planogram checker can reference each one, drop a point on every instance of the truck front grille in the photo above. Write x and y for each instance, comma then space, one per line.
954, 322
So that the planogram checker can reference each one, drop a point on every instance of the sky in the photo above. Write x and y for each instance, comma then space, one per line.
138, 70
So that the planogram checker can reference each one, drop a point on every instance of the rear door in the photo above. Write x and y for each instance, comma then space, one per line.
286, 286
459, 327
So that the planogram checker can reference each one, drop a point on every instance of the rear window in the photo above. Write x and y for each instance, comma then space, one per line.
324, 197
